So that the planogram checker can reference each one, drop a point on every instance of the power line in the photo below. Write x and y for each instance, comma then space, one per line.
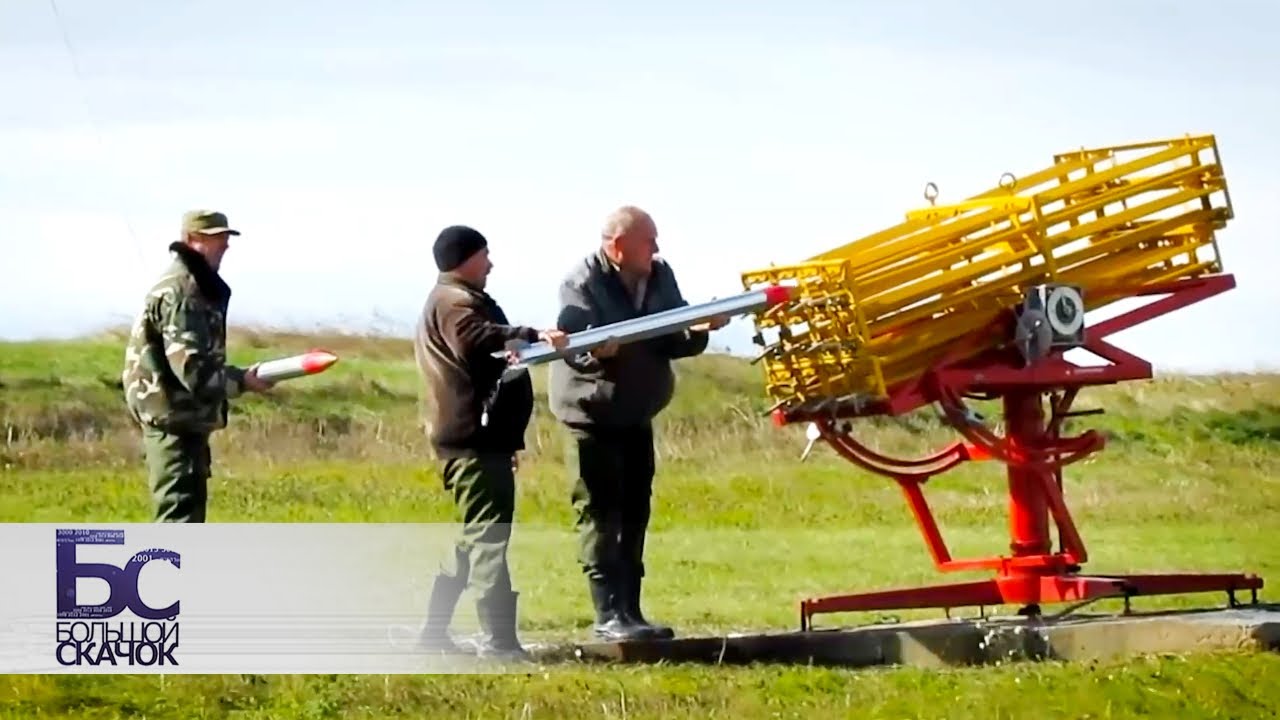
93, 124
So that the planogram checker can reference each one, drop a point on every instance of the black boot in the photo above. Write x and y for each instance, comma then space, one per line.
632, 609
498, 639
613, 624
444, 599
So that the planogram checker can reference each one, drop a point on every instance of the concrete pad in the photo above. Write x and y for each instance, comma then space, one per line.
967, 641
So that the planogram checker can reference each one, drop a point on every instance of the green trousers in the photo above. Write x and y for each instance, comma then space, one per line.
613, 472
178, 470
484, 491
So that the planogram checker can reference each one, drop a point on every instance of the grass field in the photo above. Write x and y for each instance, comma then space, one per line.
1190, 481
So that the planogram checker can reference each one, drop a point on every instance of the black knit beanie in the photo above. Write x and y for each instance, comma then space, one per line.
455, 244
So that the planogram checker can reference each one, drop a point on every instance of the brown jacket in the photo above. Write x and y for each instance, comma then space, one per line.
459, 328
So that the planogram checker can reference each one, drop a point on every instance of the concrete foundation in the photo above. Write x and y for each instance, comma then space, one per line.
971, 641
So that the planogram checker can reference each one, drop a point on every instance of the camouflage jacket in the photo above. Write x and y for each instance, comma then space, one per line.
175, 373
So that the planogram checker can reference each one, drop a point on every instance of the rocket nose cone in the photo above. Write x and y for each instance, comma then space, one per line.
317, 360
775, 294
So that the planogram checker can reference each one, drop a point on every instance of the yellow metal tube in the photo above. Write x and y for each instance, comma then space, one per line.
878, 311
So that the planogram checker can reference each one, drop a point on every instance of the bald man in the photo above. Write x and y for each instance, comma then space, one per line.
608, 399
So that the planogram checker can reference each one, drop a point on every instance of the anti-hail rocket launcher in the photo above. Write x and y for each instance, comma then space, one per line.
649, 326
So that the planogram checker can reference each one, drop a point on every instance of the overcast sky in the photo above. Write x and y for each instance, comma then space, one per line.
341, 136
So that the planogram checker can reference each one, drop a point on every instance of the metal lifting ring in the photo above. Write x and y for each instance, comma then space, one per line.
1010, 183
930, 192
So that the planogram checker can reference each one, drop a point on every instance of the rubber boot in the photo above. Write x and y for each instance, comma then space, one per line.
613, 624
444, 599
498, 639
632, 610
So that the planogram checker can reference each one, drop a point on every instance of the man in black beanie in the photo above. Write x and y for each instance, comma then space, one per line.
476, 425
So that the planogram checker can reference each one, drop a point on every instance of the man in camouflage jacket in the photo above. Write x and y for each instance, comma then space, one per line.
176, 378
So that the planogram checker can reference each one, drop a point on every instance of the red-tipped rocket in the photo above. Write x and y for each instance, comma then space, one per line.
308, 363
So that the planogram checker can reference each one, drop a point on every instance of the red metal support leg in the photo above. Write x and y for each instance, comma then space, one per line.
1028, 508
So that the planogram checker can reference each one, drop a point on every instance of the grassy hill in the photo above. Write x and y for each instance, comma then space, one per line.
741, 531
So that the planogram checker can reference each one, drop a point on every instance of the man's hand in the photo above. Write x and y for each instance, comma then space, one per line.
606, 350
555, 338
253, 383
714, 323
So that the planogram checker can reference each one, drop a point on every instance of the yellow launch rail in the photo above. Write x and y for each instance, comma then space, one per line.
875, 314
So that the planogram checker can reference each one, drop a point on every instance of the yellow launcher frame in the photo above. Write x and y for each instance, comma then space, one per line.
879, 311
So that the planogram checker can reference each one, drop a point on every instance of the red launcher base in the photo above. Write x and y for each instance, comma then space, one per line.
1035, 401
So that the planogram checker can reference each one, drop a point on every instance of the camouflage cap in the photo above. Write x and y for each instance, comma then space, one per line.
206, 222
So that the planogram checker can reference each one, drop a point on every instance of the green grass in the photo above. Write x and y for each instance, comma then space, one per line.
1212, 686
741, 531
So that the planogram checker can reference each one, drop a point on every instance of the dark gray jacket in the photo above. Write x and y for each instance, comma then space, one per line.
632, 387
